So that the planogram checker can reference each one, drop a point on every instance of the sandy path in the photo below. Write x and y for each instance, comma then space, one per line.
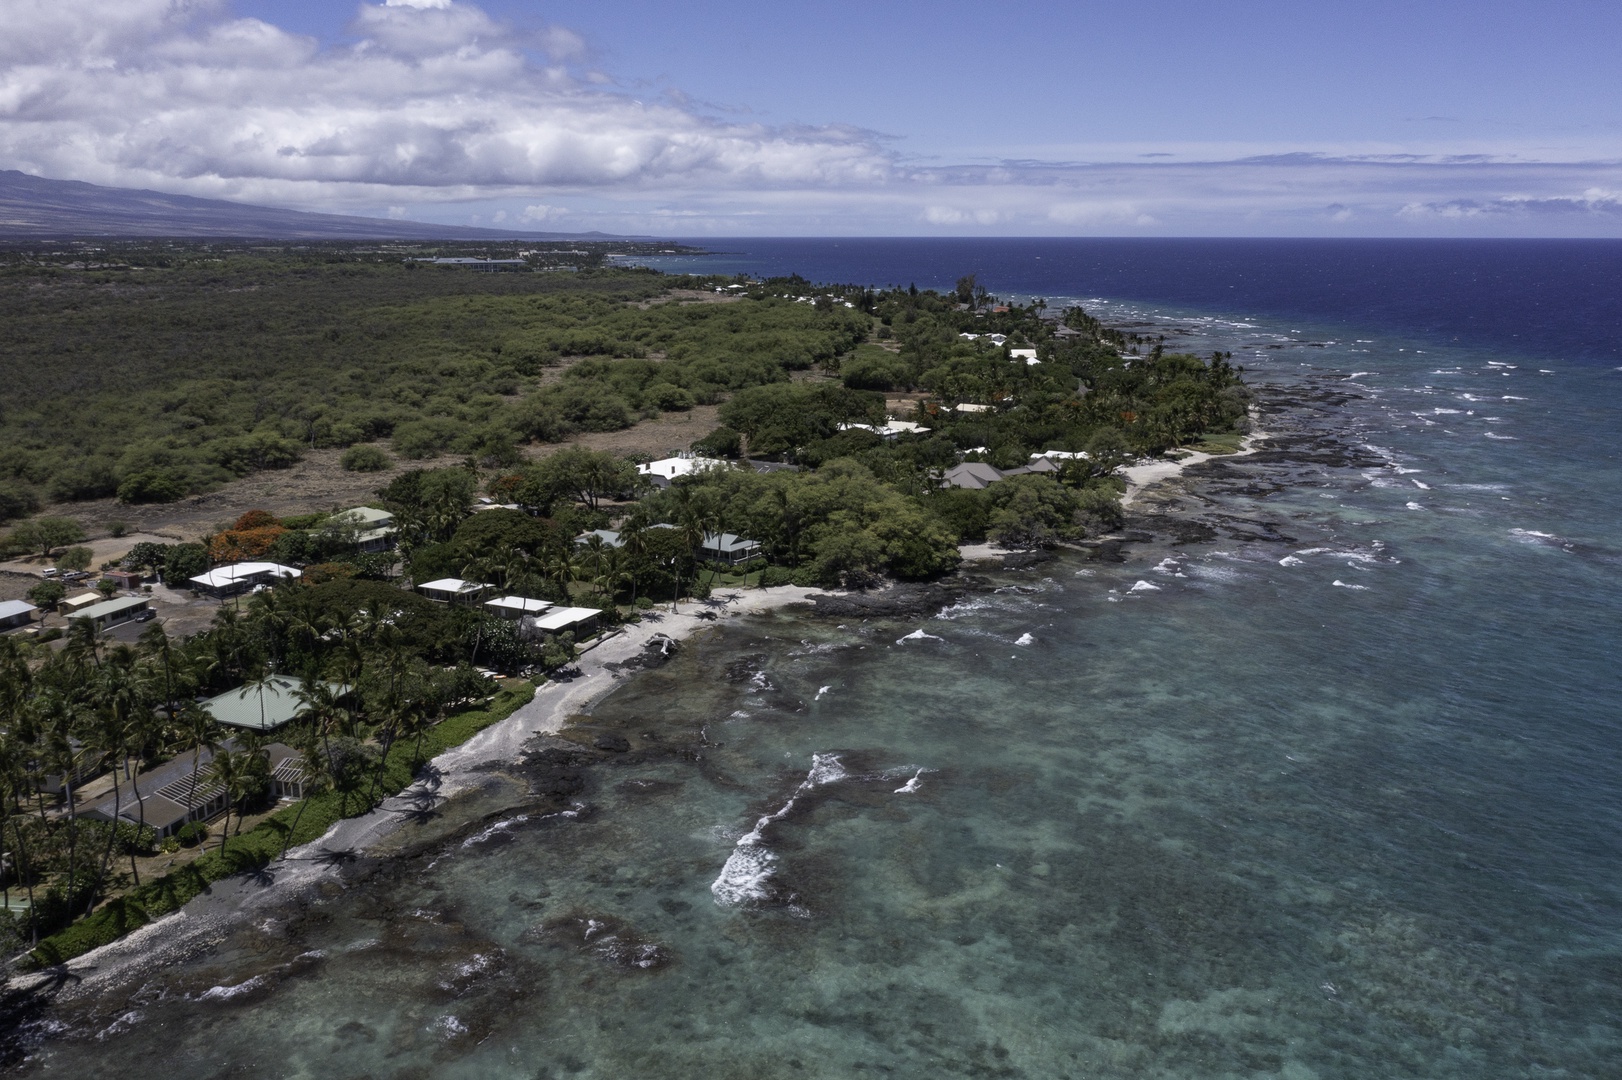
205, 920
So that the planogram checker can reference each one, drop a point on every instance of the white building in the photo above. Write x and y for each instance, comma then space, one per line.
663, 471
453, 590
241, 577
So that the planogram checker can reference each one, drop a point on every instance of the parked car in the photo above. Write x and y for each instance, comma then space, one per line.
49, 572
146, 615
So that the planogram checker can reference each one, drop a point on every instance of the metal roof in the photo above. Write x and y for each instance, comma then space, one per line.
260, 706
111, 607
12, 608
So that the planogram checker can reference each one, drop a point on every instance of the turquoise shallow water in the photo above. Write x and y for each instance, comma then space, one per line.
1332, 794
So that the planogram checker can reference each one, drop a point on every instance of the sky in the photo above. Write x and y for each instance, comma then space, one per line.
836, 118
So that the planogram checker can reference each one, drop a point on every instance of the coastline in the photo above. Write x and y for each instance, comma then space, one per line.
1141, 477
206, 918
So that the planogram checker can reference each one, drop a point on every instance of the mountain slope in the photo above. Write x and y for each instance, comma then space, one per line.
33, 207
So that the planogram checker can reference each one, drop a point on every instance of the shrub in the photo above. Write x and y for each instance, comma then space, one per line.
117, 530
191, 834
774, 576
75, 558
364, 458
161, 486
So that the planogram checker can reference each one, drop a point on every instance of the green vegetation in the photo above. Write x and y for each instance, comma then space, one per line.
209, 362
289, 827
242, 359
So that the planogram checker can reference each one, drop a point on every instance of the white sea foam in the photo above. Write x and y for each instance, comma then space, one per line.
1144, 586
1290, 560
820, 691
911, 785
1501, 438
917, 635
1512, 397
1356, 374
226, 993
748, 868
125, 1022
1170, 567
1414, 506
495, 830
449, 1027
1420, 484
1342, 585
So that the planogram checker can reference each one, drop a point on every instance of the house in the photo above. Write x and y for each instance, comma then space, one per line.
966, 407
612, 537
1027, 355
728, 548
16, 613
68, 605
660, 473
577, 620
516, 607
237, 578
453, 590
110, 613
181, 791
129, 580
1066, 333
375, 530
888, 430
973, 475
165, 798
260, 706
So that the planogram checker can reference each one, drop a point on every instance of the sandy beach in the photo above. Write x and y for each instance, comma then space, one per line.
206, 918
1139, 477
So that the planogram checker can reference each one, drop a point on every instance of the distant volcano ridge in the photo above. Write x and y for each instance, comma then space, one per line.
34, 207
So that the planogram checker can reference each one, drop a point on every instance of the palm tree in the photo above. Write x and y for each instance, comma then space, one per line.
200, 733
316, 778
229, 769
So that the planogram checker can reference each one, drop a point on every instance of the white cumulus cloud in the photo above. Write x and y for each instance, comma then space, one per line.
435, 100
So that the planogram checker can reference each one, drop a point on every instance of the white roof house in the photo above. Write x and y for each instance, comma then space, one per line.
451, 590
240, 576
562, 619
968, 407
1027, 355
516, 607
668, 469
888, 430
16, 612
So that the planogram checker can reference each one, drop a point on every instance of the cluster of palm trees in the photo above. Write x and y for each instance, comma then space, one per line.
94, 707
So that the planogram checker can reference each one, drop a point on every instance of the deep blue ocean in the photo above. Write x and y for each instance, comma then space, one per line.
1329, 786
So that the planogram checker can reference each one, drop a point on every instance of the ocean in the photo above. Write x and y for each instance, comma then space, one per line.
1322, 779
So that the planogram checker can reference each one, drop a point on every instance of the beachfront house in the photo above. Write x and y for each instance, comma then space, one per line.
728, 548
375, 529
237, 578
660, 473
453, 591
110, 613
576, 620
181, 790
15, 613
261, 706
978, 475
515, 608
